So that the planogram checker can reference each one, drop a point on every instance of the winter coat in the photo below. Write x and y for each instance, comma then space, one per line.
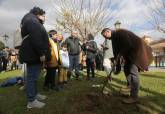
91, 51
132, 48
73, 46
36, 44
54, 54
64, 58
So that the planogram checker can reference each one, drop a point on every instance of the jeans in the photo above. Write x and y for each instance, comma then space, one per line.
33, 72
90, 67
50, 77
9, 82
74, 64
133, 79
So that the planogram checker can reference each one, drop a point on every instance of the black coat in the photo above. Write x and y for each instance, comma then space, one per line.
37, 44
91, 51
132, 48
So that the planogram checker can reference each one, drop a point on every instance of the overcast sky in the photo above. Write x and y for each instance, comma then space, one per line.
133, 14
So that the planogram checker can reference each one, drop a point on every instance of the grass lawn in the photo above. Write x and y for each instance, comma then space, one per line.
80, 97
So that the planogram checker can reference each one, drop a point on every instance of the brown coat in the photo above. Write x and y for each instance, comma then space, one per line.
132, 48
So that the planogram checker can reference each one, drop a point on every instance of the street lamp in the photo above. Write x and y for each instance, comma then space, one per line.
117, 25
6, 37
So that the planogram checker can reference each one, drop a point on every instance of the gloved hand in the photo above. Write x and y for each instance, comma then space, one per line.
42, 58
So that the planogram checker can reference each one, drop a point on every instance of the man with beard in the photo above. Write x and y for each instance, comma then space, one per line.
34, 51
73, 46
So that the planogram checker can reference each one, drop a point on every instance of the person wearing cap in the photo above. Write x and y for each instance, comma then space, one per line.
34, 51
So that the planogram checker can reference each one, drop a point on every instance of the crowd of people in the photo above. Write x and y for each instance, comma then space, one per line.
8, 59
64, 57
61, 57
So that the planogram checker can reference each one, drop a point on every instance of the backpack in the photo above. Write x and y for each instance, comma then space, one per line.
18, 41
18, 38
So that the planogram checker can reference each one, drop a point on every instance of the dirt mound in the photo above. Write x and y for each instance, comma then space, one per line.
89, 102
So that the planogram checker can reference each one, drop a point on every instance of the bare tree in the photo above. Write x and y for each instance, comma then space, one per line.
158, 15
87, 16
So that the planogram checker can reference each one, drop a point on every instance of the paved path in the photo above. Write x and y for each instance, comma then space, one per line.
161, 69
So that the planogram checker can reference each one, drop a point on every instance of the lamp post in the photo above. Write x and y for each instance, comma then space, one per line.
117, 25
86, 27
6, 37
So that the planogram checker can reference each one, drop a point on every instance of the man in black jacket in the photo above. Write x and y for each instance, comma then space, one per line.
90, 47
74, 51
34, 51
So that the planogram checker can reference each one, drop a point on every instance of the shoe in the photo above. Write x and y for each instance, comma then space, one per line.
130, 100
40, 97
73, 74
35, 104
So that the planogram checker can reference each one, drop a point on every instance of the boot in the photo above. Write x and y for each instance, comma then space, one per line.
130, 100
